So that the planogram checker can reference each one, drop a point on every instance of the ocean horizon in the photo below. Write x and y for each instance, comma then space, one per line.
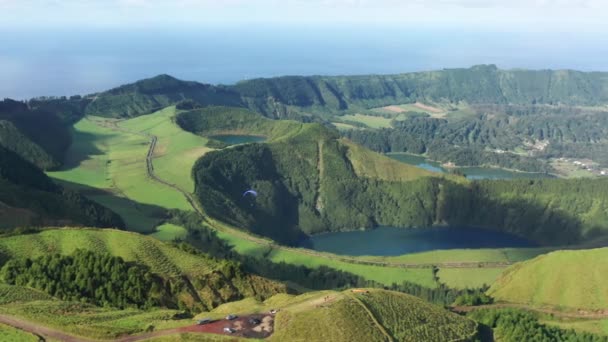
59, 62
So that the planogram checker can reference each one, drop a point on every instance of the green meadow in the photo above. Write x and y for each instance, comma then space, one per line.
107, 160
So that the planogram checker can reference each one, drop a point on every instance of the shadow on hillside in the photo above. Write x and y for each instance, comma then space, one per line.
139, 217
524, 217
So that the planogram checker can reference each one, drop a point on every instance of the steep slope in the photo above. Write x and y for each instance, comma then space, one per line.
29, 198
571, 279
277, 97
37, 135
149, 95
371, 315
193, 280
312, 181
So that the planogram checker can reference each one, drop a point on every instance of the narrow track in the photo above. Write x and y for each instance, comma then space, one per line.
266, 243
377, 323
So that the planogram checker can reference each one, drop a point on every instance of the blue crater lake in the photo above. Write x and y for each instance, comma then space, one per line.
470, 172
389, 241
235, 139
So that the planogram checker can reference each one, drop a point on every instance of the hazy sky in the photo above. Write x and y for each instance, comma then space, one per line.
533, 15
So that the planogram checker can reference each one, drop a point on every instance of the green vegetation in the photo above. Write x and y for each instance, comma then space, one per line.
37, 136
407, 318
225, 120
100, 279
149, 95
170, 232
11, 293
569, 279
468, 278
82, 319
176, 150
108, 163
344, 321
8, 333
328, 185
196, 281
29, 198
368, 120
592, 326
516, 325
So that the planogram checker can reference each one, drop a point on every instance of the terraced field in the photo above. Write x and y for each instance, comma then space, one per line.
408, 318
162, 259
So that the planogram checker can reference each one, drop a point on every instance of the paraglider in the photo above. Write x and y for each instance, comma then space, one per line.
252, 192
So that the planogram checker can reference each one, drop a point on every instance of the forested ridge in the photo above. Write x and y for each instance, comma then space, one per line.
297, 198
575, 133
293, 95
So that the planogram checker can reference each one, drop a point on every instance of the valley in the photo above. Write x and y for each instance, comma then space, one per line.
331, 216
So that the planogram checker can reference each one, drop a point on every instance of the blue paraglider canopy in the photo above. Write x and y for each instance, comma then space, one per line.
253, 192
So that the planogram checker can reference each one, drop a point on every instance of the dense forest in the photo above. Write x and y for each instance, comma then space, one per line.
309, 185
482, 84
472, 141
512, 325
100, 279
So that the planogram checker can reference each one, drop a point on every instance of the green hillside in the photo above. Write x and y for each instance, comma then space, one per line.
478, 84
375, 316
570, 279
149, 95
196, 280
29, 198
37, 135
312, 181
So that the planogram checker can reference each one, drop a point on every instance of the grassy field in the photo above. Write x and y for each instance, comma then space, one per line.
569, 279
462, 278
169, 232
370, 121
374, 165
464, 255
568, 169
598, 327
343, 127
176, 150
384, 275
113, 164
8, 333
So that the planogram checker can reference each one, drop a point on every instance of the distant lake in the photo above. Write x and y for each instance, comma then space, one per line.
234, 139
470, 172
386, 241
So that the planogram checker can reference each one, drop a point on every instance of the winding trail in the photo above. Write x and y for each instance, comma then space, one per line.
113, 124
377, 323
